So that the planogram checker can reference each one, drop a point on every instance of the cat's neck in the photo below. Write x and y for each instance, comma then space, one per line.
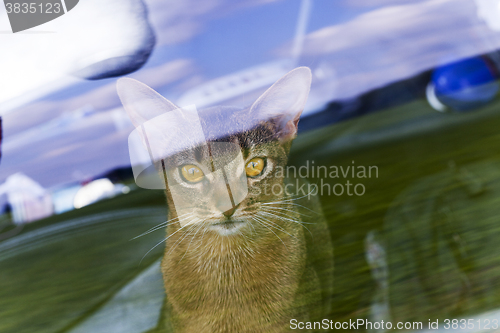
211, 256
212, 279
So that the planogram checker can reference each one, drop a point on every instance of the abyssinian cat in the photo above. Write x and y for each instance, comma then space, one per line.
265, 258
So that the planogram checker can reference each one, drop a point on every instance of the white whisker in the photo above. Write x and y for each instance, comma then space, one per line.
161, 225
273, 204
251, 224
272, 211
163, 240
287, 219
281, 208
274, 225
293, 199
183, 236
272, 232
202, 235
189, 245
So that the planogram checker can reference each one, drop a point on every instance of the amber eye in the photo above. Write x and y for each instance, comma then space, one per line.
192, 173
254, 167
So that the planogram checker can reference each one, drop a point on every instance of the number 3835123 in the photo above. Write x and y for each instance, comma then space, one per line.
473, 324
27, 7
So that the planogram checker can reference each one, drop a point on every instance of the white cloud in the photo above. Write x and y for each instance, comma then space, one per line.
376, 3
164, 74
50, 142
40, 60
178, 21
489, 11
101, 98
396, 42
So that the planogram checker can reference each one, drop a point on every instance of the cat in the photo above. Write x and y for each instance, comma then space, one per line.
250, 265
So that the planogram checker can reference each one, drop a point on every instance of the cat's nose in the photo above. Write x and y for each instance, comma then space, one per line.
230, 212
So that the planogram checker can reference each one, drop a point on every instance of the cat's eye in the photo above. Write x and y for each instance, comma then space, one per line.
192, 173
254, 167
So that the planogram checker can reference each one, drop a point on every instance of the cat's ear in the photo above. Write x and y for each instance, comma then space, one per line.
284, 101
141, 102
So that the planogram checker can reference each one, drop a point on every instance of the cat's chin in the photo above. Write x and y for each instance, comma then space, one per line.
228, 228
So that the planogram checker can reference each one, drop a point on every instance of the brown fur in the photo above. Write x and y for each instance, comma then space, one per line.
266, 270
247, 283
236, 284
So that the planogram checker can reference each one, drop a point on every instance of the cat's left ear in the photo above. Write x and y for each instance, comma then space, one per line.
141, 102
284, 101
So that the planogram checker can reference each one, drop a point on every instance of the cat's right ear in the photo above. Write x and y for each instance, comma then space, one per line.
141, 102
284, 101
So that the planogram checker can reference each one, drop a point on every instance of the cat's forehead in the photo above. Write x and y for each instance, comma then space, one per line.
213, 135
221, 151
224, 121
259, 139
233, 124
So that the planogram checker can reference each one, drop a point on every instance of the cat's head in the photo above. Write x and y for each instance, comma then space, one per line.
220, 163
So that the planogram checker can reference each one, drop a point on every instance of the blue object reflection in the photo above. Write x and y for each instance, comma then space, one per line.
466, 84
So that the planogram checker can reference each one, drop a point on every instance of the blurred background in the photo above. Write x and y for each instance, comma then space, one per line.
408, 86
